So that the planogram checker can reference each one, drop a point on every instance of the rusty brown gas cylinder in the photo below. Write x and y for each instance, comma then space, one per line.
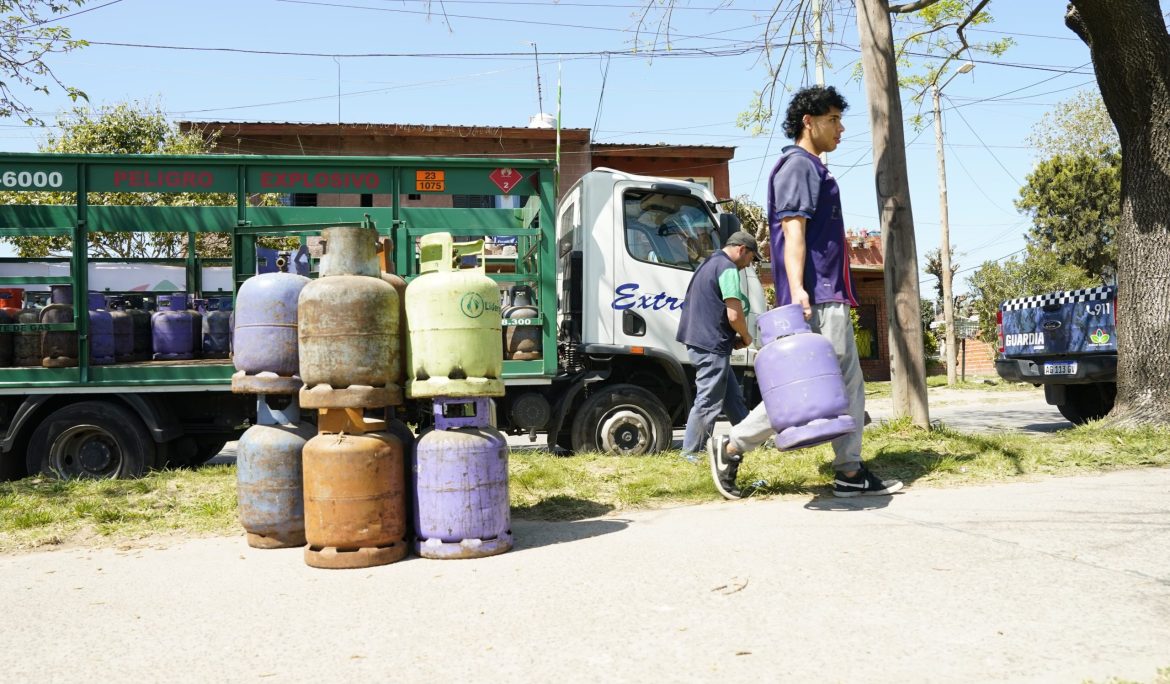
355, 509
349, 327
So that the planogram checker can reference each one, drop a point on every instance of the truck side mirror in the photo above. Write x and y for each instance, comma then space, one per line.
728, 224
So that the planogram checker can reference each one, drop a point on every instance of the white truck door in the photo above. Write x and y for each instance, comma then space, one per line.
661, 239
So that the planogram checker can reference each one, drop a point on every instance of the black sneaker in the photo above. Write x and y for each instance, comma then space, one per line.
863, 483
724, 468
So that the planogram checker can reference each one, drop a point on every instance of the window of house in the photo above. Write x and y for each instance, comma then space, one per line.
303, 199
674, 230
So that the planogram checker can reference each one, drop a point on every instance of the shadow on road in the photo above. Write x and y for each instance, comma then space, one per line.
828, 502
532, 534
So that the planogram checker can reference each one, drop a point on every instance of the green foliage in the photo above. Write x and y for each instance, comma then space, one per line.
1040, 271
125, 128
931, 30
28, 38
934, 267
1075, 204
929, 337
1078, 126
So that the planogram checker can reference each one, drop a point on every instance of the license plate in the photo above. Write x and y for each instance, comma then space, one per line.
1069, 368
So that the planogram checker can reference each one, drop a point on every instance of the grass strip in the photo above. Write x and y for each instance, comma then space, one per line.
37, 513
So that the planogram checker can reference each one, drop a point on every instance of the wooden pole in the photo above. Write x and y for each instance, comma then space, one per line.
907, 356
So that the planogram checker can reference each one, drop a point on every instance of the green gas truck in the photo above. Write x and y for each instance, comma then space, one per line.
604, 271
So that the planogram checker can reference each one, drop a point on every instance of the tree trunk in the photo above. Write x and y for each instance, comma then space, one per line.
1131, 55
907, 356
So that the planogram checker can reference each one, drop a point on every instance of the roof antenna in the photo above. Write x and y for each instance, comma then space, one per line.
539, 97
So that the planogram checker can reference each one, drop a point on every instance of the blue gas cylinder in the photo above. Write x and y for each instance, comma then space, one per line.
460, 478
264, 333
800, 381
270, 484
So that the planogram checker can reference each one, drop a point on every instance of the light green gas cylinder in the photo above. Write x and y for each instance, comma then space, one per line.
454, 313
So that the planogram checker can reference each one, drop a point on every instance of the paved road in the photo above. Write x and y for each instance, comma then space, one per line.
1060, 580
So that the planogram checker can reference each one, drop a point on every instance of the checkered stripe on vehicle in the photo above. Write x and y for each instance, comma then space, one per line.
1092, 294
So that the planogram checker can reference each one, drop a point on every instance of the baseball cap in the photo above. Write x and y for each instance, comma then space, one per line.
744, 238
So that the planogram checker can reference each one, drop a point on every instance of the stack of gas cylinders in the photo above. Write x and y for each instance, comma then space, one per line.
121, 330
269, 477
460, 467
350, 337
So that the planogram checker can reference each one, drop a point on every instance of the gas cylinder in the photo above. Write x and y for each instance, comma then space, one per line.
6, 340
800, 381
521, 342
455, 345
355, 515
171, 329
399, 344
26, 346
461, 507
101, 331
123, 329
264, 336
269, 478
349, 326
58, 348
217, 328
195, 320
140, 327
10, 299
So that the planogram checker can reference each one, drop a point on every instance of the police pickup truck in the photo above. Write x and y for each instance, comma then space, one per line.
1067, 342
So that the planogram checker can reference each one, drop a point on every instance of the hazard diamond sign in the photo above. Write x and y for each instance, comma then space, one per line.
506, 179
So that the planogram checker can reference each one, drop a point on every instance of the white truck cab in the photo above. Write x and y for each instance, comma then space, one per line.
627, 248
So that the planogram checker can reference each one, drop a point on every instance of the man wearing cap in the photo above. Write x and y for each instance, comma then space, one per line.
713, 323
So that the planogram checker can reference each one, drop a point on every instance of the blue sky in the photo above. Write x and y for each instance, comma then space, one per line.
674, 98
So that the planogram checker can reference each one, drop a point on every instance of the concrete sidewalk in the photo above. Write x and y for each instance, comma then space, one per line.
1060, 580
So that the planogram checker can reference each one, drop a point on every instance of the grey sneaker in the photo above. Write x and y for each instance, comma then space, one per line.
723, 468
863, 483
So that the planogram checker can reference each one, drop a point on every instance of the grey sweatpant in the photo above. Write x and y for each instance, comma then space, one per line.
831, 320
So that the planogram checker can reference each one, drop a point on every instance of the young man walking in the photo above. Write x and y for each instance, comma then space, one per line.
810, 267
713, 323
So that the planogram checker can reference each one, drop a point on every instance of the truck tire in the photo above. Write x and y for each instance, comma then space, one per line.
90, 440
624, 420
1087, 402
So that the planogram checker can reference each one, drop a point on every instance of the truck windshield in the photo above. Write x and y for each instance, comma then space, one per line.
669, 229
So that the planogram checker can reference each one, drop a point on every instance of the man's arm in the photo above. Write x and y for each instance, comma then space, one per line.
738, 321
794, 256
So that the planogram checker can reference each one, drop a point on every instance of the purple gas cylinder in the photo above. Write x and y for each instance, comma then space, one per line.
461, 485
264, 333
101, 331
195, 320
800, 380
171, 329
217, 328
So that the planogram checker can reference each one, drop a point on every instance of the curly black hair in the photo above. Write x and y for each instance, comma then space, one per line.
814, 100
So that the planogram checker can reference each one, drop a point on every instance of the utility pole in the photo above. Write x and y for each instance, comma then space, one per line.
907, 356
944, 249
820, 55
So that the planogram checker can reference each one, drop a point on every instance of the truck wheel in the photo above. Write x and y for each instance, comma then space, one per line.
1088, 402
90, 440
625, 420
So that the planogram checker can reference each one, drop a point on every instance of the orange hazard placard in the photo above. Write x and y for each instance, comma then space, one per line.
429, 181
